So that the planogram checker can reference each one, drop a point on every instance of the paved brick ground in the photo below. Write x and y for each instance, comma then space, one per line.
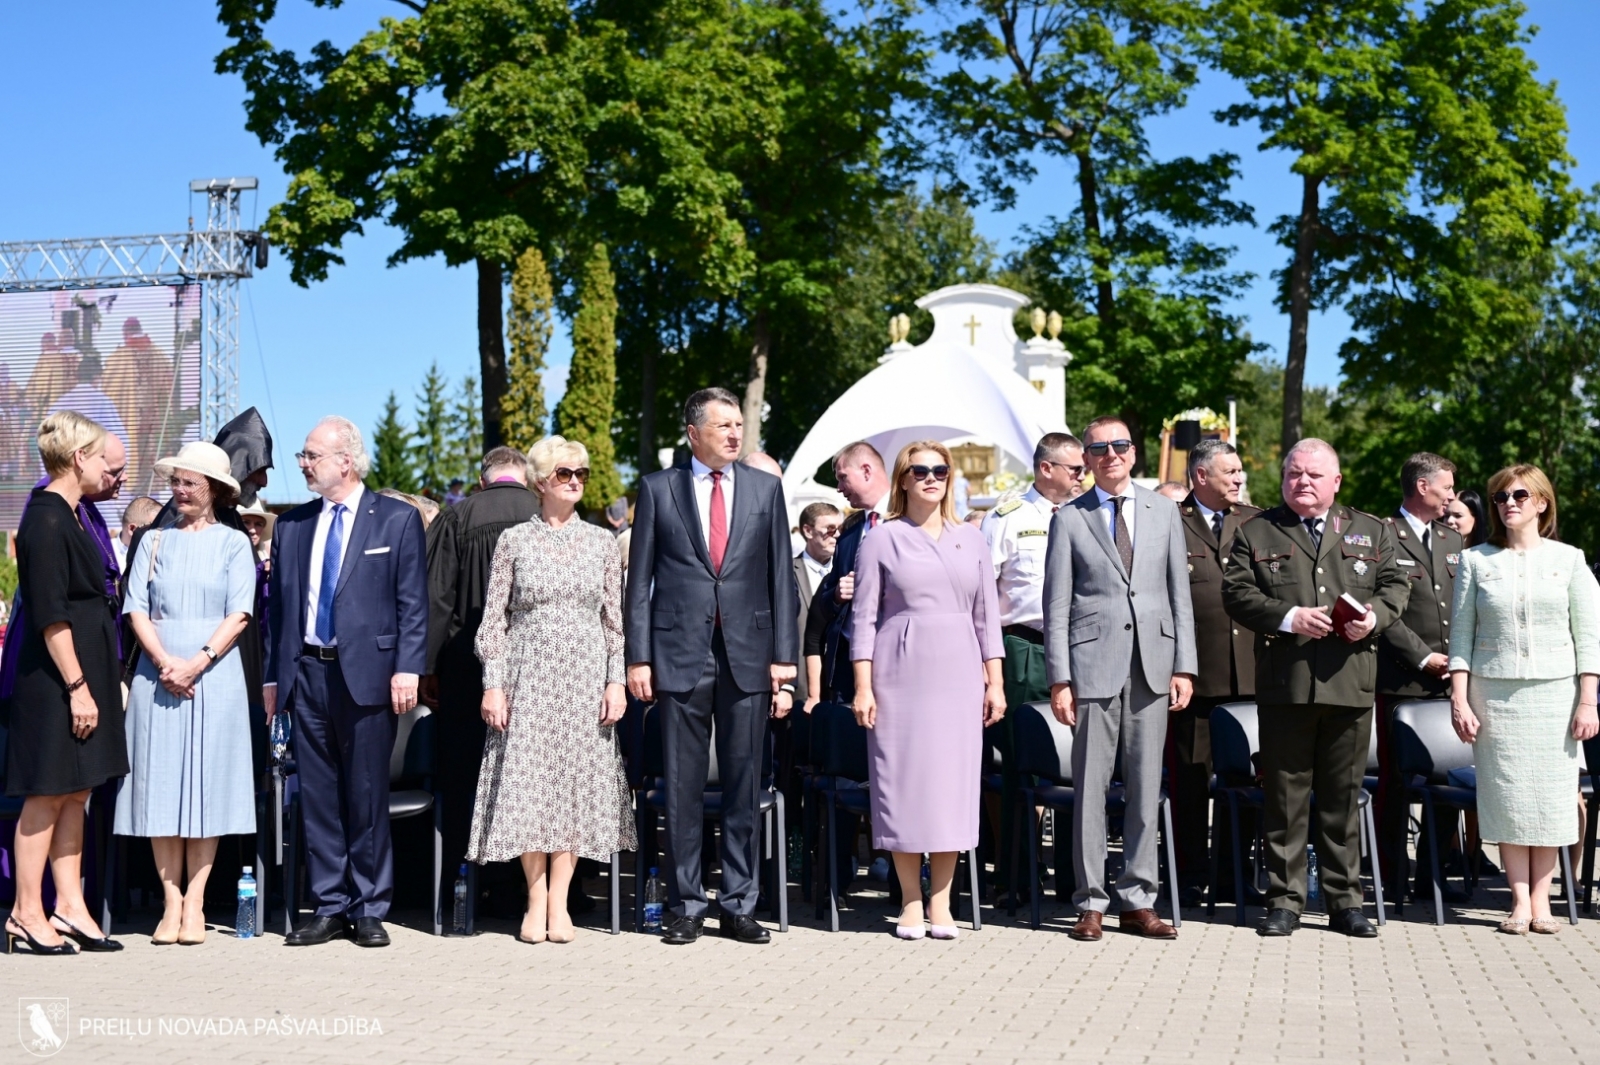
1461, 993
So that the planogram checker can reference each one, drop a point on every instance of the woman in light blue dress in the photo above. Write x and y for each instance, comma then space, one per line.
191, 588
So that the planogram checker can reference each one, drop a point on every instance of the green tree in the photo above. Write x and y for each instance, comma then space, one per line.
466, 431
482, 127
1424, 148
430, 447
529, 328
585, 411
1141, 291
1259, 386
391, 451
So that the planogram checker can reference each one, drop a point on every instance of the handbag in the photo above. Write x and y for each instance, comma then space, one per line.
130, 657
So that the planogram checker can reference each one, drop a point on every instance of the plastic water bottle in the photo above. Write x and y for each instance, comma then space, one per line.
655, 898
458, 921
280, 737
1313, 876
244, 923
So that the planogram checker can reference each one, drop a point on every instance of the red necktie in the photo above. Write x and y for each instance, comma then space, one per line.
719, 523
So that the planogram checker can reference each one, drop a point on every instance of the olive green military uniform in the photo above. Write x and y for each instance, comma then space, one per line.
1423, 629
1227, 657
1315, 696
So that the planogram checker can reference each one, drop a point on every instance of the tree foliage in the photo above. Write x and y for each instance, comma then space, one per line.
1141, 290
529, 328
586, 410
391, 451
430, 438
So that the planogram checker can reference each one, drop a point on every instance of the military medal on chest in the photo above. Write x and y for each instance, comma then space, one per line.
1360, 566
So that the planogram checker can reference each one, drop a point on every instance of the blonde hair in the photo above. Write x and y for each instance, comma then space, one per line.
902, 463
547, 454
63, 435
1538, 484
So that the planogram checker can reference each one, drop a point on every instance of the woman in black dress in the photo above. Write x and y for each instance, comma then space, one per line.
66, 716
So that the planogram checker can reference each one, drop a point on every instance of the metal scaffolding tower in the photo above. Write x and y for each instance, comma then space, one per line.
218, 257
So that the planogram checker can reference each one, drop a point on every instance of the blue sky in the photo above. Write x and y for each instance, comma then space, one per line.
113, 107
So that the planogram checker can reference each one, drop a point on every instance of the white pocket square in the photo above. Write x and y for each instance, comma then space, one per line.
376, 551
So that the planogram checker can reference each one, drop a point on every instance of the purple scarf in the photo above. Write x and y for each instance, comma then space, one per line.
89, 515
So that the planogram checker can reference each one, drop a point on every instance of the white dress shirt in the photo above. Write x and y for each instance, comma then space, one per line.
1018, 536
1108, 511
818, 570
702, 496
1287, 624
1418, 526
319, 543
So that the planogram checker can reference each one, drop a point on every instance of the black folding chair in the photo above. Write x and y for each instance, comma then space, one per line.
650, 809
1235, 746
412, 793
1427, 750
1044, 766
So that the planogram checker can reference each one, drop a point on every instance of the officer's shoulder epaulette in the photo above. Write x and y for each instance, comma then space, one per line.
1007, 507
1248, 510
1252, 517
1364, 514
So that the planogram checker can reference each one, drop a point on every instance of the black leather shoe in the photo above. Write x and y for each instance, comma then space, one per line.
1192, 897
371, 933
1279, 922
1352, 922
681, 931
744, 929
317, 930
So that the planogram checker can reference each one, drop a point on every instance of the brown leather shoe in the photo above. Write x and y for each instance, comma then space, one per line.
1146, 923
1088, 927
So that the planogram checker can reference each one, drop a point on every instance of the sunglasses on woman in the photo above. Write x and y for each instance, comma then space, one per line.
1521, 495
921, 473
563, 475
1099, 450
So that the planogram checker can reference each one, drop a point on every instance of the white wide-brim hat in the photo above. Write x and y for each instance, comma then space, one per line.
208, 460
259, 510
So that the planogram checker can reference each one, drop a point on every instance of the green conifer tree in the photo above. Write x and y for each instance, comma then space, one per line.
466, 431
584, 413
430, 449
528, 328
391, 451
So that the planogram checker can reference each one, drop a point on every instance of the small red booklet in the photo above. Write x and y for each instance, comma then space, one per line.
1346, 610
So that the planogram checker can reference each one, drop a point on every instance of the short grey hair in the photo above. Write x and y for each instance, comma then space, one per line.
1310, 443
1052, 444
694, 411
350, 442
1203, 454
503, 458
1423, 466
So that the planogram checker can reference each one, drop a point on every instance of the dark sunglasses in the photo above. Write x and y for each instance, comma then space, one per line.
1099, 450
1076, 471
1521, 495
563, 475
920, 473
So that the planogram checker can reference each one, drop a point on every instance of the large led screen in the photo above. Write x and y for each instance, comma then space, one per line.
129, 358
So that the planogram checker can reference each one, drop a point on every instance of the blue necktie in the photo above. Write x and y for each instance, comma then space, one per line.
330, 574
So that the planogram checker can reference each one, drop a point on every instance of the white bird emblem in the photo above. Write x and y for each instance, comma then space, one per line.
46, 1038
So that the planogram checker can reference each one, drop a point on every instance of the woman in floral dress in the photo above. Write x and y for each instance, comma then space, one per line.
552, 788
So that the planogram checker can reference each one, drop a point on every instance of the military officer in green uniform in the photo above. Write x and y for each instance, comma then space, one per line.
1018, 531
1414, 652
1287, 569
1212, 515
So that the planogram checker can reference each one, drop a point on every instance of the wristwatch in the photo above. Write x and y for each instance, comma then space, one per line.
209, 652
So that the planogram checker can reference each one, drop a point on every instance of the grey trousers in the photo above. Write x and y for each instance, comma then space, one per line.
1136, 722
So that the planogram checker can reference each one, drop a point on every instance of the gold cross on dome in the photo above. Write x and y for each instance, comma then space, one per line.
971, 326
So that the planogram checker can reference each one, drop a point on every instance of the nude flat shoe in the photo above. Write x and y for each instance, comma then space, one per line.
909, 931
1544, 926
944, 931
1514, 926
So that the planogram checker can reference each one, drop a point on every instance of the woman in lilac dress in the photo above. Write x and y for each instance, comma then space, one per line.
926, 647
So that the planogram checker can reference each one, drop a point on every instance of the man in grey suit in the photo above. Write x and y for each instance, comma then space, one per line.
1119, 649
712, 636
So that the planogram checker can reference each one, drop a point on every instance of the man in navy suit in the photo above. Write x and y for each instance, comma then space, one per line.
348, 640
712, 631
